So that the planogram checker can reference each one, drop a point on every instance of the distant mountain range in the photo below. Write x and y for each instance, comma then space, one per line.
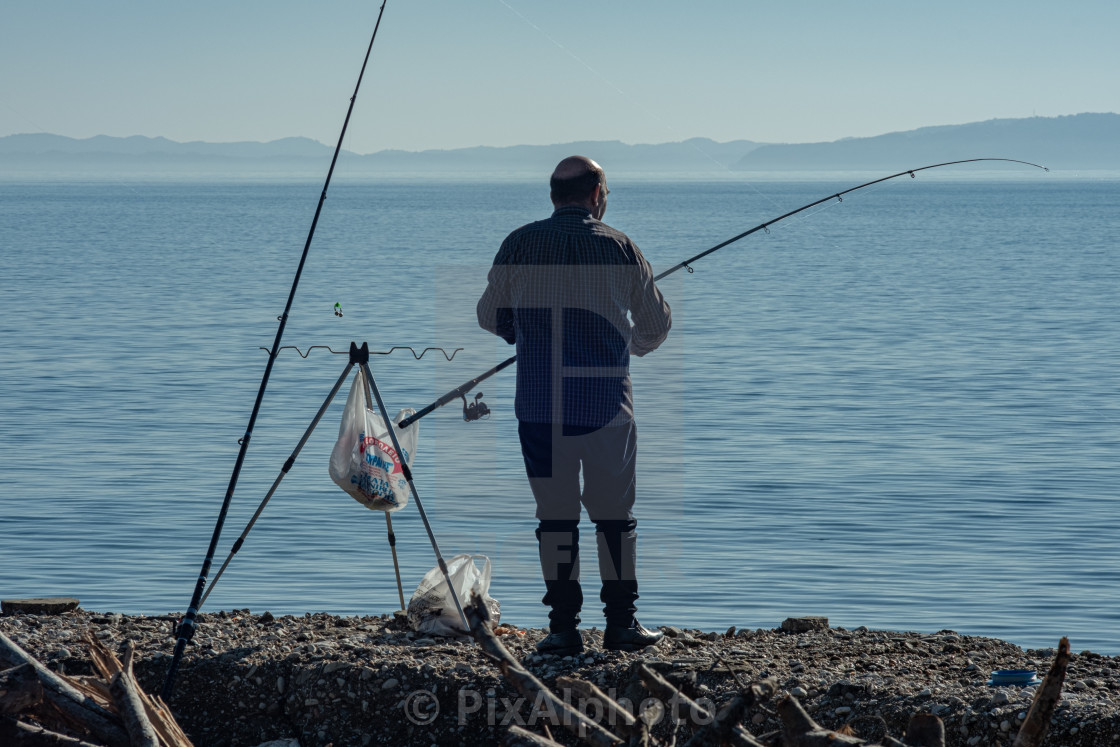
1081, 141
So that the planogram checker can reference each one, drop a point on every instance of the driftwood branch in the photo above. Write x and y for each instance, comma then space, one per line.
74, 704
518, 737
20, 689
662, 688
147, 709
528, 685
615, 713
800, 730
732, 712
1045, 702
16, 734
81, 706
126, 694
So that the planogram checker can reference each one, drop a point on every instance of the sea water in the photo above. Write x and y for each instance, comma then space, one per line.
899, 410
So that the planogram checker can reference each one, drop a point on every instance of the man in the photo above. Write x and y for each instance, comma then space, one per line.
561, 289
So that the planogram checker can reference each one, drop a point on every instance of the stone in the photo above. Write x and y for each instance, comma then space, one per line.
38, 606
804, 624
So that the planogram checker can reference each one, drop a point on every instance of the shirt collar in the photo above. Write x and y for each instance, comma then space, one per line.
571, 210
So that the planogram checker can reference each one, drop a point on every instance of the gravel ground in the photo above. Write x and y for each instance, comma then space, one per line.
323, 680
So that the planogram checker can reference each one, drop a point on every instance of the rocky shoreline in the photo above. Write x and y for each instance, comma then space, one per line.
318, 679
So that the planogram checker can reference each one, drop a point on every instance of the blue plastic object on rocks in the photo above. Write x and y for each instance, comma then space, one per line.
1014, 677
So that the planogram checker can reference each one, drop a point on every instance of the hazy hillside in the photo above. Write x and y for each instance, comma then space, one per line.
695, 155
47, 154
1082, 141
137, 145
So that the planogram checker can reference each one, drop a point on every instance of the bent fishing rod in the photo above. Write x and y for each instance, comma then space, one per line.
186, 628
461, 391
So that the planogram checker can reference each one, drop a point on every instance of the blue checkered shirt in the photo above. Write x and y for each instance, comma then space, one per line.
561, 289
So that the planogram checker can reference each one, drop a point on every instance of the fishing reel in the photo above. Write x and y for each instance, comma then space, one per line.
476, 410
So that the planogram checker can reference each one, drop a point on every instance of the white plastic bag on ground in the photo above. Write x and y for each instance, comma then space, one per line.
364, 462
432, 609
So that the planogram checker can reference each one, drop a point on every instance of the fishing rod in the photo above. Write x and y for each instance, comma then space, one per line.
461, 391
186, 628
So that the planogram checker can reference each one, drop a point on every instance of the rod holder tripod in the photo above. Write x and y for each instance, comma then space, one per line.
359, 356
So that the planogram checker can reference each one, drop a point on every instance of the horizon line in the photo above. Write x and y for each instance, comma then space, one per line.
543, 145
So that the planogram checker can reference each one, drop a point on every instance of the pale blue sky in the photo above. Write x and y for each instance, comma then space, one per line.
456, 73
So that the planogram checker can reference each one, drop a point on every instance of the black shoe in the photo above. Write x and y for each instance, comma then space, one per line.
563, 643
618, 638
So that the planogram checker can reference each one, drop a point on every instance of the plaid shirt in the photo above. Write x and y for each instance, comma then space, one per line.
561, 289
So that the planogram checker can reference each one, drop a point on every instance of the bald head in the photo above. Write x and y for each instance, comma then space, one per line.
576, 166
576, 181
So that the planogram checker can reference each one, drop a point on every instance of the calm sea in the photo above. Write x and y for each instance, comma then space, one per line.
898, 411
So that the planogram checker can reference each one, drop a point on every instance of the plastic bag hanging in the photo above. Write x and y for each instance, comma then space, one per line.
364, 462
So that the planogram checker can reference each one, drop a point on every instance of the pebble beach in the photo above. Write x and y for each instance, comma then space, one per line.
317, 679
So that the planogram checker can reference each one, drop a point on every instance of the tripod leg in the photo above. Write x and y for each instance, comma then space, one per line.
396, 565
415, 496
276, 483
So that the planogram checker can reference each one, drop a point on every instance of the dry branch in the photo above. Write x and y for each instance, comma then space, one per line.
81, 705
518, 737
154, 711
127, 695
732, 712
663, 689
15, 734
800, 730
1045, 702
616, 714
75, 705
93, 687
528, 685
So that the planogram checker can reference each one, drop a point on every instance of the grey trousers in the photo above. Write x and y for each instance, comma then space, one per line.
554, 457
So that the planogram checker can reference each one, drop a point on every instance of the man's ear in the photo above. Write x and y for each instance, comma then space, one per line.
596, 197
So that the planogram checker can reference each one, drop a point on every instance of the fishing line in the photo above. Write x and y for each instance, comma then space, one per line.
21, 115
